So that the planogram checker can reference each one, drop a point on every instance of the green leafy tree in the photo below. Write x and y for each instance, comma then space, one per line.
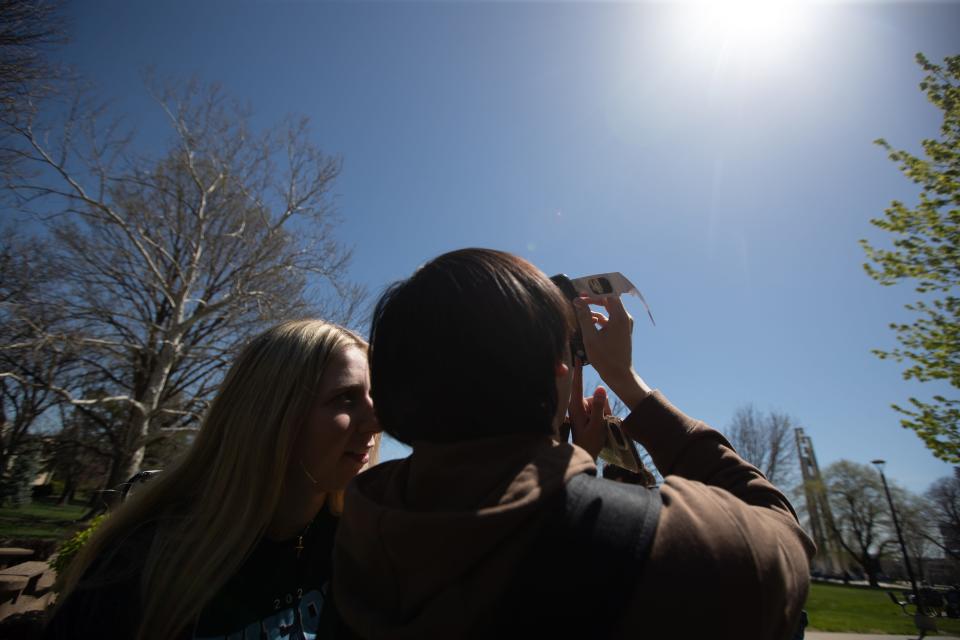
926, 252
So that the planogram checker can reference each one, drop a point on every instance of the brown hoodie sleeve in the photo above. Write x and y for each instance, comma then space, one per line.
729, 559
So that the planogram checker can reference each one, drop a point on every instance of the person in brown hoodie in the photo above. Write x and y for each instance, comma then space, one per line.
471, 366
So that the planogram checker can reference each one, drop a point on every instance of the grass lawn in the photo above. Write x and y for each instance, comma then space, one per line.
39, 520
852, 609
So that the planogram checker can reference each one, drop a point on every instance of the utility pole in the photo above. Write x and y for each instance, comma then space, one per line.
879, 464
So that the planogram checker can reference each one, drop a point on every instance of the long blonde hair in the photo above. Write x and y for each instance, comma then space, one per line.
212, 507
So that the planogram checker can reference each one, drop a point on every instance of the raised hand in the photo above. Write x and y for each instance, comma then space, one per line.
586, 416
607, 339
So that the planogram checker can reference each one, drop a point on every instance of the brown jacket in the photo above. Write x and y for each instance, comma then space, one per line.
428, 544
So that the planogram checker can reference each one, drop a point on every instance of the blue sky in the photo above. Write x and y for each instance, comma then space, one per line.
728, 171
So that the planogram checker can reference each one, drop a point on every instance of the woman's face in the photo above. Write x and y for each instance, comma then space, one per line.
335, 440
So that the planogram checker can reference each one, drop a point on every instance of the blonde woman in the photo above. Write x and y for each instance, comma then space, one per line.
236, 539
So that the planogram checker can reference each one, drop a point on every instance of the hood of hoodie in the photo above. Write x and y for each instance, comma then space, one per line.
429, 543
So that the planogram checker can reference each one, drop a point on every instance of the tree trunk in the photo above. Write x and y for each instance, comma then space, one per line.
133, 456
109, 496
871, 566
4, 461
139, 426
69, 490
120, 467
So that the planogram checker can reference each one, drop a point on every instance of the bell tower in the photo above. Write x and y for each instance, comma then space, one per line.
830, 557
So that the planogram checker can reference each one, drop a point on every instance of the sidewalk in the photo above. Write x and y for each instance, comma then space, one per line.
821, 635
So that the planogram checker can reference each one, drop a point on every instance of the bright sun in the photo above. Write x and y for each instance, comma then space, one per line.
748, 26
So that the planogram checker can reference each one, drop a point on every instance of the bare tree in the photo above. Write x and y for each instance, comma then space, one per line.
26, 360
860, 513
169, 262
919, 531
765, 441
28, 30
943, 498
79, 455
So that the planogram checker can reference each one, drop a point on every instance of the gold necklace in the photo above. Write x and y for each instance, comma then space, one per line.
299, 545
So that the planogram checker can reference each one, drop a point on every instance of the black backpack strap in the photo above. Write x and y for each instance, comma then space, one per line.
614, 520
580, 575
611, 526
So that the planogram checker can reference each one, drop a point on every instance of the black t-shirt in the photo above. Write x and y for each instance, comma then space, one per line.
277, 594
274, 594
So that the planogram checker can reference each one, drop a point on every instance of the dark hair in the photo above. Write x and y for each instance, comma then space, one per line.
467, 348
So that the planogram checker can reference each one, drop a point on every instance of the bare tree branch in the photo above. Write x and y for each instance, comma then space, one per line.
765, 441
167, 264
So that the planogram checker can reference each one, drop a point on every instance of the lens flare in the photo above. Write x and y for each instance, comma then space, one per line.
749, 26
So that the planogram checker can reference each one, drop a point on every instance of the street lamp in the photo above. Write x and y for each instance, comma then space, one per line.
879, 464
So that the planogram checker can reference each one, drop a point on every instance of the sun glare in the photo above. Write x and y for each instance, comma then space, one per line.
756, 27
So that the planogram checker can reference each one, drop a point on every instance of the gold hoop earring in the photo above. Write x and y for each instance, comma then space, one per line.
312, 479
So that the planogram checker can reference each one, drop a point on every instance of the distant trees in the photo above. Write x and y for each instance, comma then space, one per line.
863, 520
78, 456
919, 531
765, 440
26, 362
943, 498
925, 252
860, 513
160, 264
